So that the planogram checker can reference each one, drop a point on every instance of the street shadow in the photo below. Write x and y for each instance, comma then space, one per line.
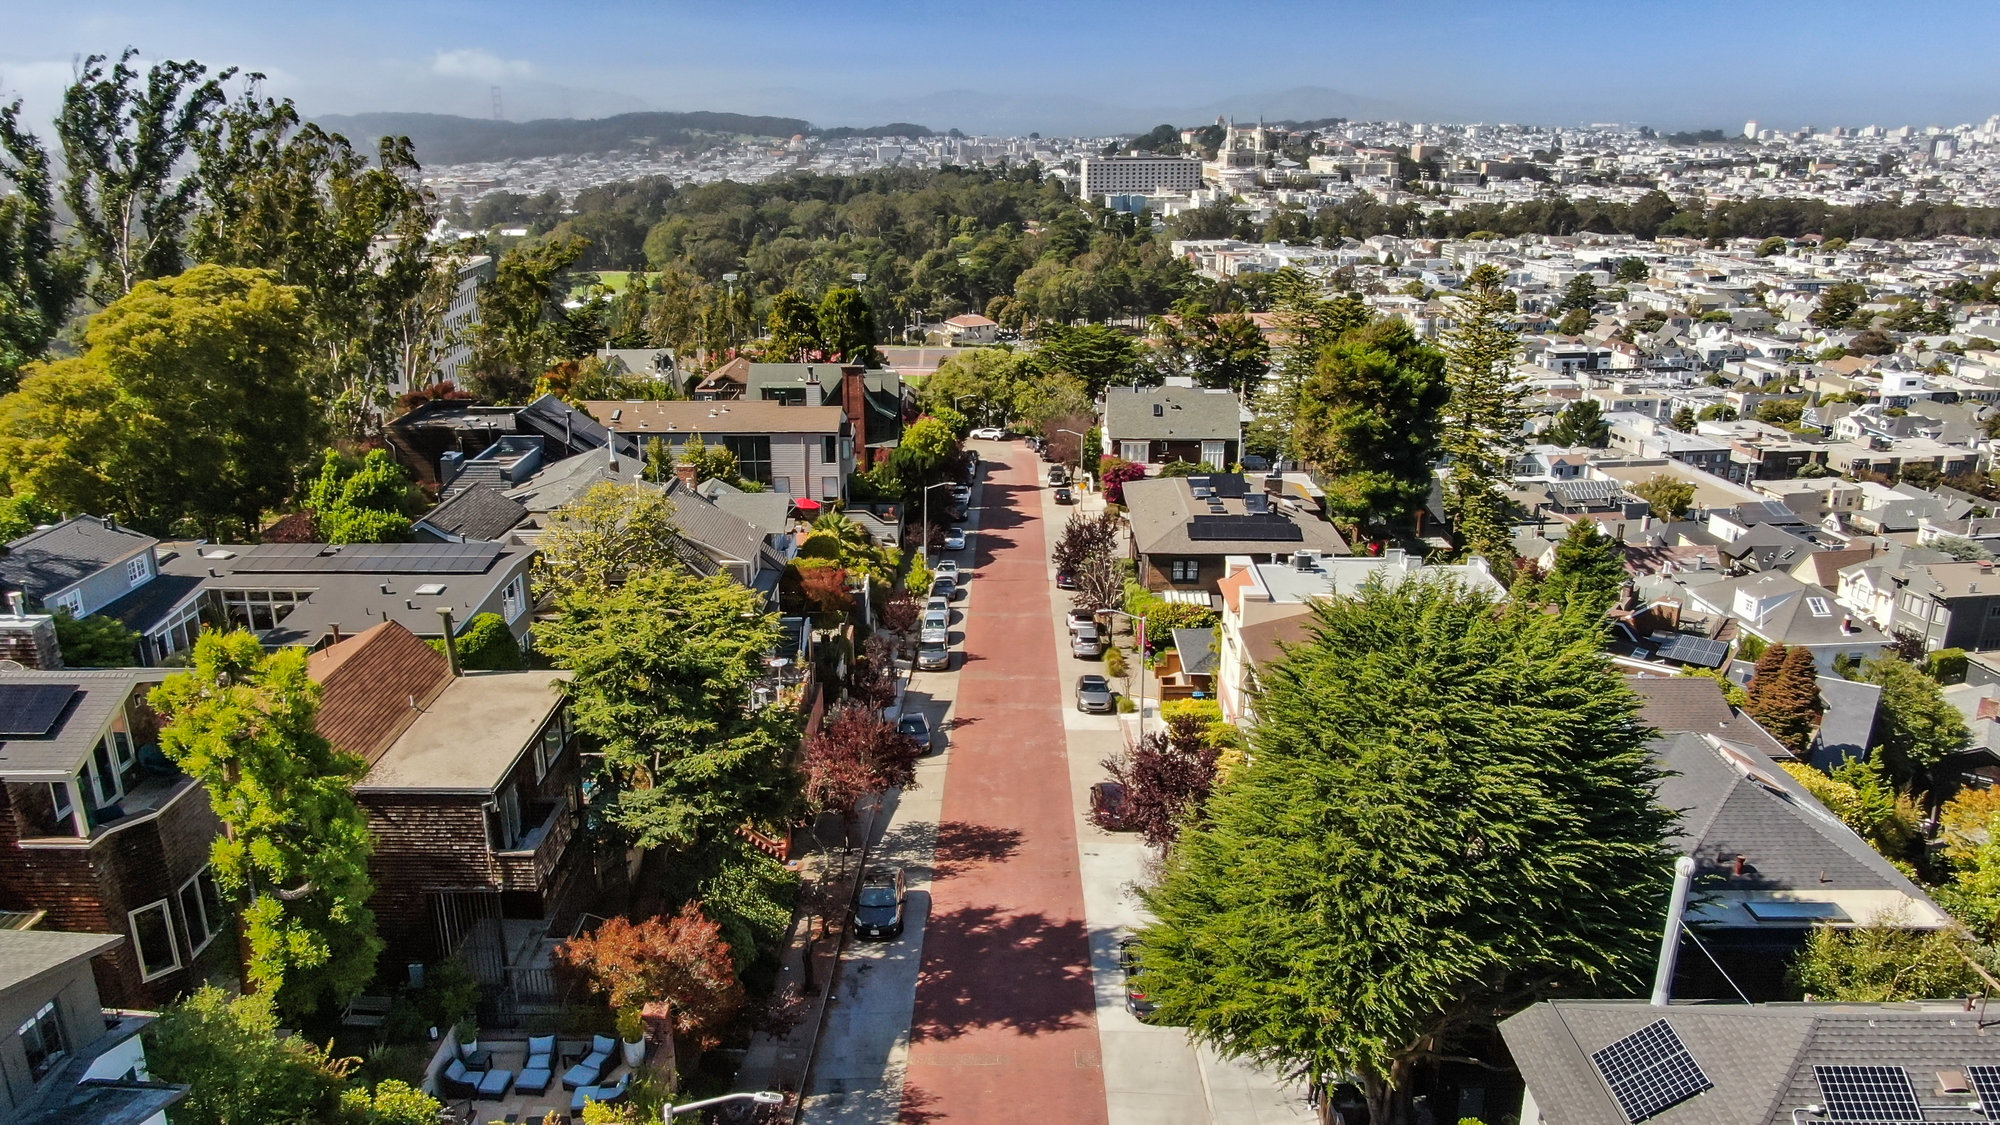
920, 1106
962, 846
984, 969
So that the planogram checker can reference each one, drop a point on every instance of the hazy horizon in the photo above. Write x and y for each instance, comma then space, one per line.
1077, 68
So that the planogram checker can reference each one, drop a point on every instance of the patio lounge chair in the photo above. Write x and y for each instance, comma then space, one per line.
457, 1082
540, 1069
606, 1094
593, 1066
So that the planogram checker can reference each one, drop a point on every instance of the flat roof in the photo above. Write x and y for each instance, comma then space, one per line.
27, 954
471, 735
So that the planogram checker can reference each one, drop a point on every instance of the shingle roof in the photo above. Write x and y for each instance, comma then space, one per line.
1197, 649
61, 752
1161, 512
1186, 414
679, 418
47, 559
482, 511
369, 683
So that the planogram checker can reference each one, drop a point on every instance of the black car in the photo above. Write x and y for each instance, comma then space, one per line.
1136, 1000
1064, 496
878, 909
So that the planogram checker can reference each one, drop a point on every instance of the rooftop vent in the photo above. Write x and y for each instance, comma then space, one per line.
1159, 411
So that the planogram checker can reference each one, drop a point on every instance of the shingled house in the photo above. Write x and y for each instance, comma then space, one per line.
1185, 528
1155, 425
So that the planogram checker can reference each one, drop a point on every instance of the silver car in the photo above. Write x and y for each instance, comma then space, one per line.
1086, 642
934, 657
1093, 693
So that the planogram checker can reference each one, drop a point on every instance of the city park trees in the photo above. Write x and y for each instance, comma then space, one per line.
1306, 924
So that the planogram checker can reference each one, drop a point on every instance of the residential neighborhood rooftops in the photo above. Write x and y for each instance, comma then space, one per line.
374, 685
51, 558
1166, 518
679, 418
50, 722
471, 734
1171, 413
481, 511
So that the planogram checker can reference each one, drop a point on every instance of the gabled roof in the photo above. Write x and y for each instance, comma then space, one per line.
482, 511
1162, 514
96, 696
374, 685
1185, 414
1197, 650
27, 954
50, 558
1769, 547
1695, 705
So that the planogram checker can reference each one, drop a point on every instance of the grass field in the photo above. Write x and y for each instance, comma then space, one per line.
616, 279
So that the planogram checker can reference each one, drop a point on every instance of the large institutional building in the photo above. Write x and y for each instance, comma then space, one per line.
1136, 175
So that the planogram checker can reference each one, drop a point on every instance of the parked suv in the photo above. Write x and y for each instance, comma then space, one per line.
1086, 642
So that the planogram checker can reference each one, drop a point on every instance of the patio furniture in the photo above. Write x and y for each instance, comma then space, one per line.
366, 1011
606, 1094
478, 1060
494, 1083
457, 1082
593, 1066
539, 1070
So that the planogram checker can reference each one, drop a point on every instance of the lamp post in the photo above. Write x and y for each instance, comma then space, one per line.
670, 1111
956, 399
1139, 620
924, 542
1080, 439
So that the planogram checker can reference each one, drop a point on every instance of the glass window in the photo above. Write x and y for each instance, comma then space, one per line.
71, 601
59, 799
753, 455
513, 599
201, 910
135, 570
153, 937
43, 1038
109, 786
829, 450
553, 740
1186, 570
1135, 451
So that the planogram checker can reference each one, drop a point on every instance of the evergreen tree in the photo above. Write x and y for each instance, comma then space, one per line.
1367, 418
1448, 814
1581, 423
1482, 420
1917, 728
1784, 696
1589, 570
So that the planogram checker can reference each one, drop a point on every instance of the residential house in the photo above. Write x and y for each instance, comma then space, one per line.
102, 834
1676, 705
88, 565
878, 403
1776, 608
795, 450
438, 435
971, 328
474, 797
1156, 425
1184, 528
1620, 1062
1187, 670
64, 1058
1947, 605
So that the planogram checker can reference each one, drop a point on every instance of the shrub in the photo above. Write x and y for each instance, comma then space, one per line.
1114, 662
489, 646
1946, 665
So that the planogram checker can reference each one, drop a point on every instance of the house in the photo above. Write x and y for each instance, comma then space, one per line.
795, 450
971, 328
79, 565
1676, 705
1187, 670
64, 1058
102, 834
878, 403
1183, 528
752, 556
1947, 605
1156, 425
1776, 608
1770, 864
438, 435
1621, 1062
474, 797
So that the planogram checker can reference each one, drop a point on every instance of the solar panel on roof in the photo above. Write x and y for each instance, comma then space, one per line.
1868, 1093
1257, 504
1276, 528
1986, 1083
1699, 651
1576, 491
1649, 1071
31, 710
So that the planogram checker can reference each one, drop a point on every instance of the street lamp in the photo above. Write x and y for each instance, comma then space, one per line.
670, 1111
1138, 619
1080, 439
924, 542
956, 399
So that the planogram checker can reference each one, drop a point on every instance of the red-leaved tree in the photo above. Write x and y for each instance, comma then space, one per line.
825, 590
1117, 477
1167, 779
871, 680
901, 613
682, 960
856, 753
1084, 537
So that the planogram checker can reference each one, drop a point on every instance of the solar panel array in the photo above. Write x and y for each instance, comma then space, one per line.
1649, 1071
398, 558
1583, 491
1257, 503
1269, 528
1698, 651
31, 710
1986, 1083
1875, 1094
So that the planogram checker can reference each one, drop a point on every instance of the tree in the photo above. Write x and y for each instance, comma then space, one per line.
709, 462
1367, 417
1770, 246
1117, 477
1097, 354
1670, 497
488, 645
1167, 779
1482, 419
794, 328
187, 412
664, 669
929, 453
682, 960
522, 320
605, 536
295, 844
1632, 269
1084, 538
902, 614
1720, 412
1860, 795
1883, 961
1100, 584
41, 278
1684, 420
1784, 696
1216, 351
1305, 925
1589, 569
95, 641
23, 513
847, 327
226, 1049
393, 1102
364, 505
1838, 305
854, 755
1580, 295
1581, 423
1575, 322
1918, 729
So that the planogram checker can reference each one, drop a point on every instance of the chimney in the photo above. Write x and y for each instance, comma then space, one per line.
1736, 868
19, 602
854, 401
336, 632
450, 642
686, 473
611, 453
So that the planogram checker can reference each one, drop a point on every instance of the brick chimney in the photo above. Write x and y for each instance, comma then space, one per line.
28, 639
854, 400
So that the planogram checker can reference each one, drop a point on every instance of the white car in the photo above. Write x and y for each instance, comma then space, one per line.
954, 540
947, 569
990, 433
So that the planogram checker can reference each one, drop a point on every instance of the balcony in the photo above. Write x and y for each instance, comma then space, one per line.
531, 864
144, 799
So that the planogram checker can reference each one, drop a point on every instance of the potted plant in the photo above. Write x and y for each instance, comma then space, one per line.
467, 1034
632, 1035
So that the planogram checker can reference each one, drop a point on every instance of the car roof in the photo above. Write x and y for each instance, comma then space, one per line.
1094, 681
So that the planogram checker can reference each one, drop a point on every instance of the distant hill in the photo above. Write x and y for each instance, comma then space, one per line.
444, 139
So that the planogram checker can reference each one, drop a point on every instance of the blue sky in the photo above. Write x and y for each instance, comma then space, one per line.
1068, 66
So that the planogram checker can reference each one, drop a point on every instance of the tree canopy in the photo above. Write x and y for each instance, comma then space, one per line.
1367, 417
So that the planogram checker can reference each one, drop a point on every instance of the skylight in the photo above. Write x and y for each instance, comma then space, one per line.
1818, 607
430, 589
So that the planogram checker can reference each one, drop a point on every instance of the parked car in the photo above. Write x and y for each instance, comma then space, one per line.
1086, 643
1058, 475
917, 729
939, 603
1109, 808
936, 615
1065, 580
990, 433
1064, 496
961, 494
947, 569
944, 588
954, 540
934, 657
1081, 619
1136, 1000
1093, 693
878, 908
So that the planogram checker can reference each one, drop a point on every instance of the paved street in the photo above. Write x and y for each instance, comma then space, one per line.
1003, 1000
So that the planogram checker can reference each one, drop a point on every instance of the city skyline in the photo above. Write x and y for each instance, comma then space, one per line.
1066, 68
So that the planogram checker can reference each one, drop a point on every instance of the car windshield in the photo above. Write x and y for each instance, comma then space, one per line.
913, 726
1091, 683
878, 896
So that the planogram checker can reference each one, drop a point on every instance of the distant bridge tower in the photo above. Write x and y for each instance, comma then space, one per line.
496, 103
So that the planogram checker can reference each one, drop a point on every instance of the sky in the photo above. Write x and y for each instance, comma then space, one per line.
1061, 67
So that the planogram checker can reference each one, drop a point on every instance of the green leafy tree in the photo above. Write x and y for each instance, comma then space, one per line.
1720, 412
1916, 726
187, 412
983, 382
1367, 419
929, 452
847, 327
295, 844
1575, 322
522, 321
1097, 354
664, 666
95, 641
1482, 419
794, 325
226, 1049
364, 505
1588, 571
1882, 962
1580, 295
1307, 927
22, 514
41, 277
489, 645
1684, 420
1671, 497
1838, 305
1581, 423
1216, 351
1784, 696
1770, 246
709, 462
393, 1102
605, 536
1632, 269
1860, 794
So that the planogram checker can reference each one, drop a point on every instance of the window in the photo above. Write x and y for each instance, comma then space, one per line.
1215, 453
1186, 570
782, 485
122, 750
753, 456
153, 938
71, 602
201, 910
136, 570
829, 449
1818, 607
554, 738
43, 1038
1138, 452
104, 771
829, 489
514, 599
59, 799
507, 822
179, 634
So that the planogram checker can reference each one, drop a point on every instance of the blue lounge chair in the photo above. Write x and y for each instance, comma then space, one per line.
540, 1069
606, 1094
593, 1066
